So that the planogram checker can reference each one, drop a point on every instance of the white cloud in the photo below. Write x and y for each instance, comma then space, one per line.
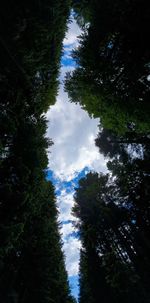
71, 245
63, 71
67, 229
71, 128
68, 50
73, 32
73, 133
65, 202
72, 249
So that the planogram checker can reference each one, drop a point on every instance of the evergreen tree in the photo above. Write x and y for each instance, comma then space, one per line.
111, 78
110, 262
32, 265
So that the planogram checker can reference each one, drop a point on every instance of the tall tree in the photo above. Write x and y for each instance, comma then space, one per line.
110, 267
111, 78
32, 265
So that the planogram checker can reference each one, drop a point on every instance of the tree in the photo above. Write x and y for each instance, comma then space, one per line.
111, 250
104, 82
32, 267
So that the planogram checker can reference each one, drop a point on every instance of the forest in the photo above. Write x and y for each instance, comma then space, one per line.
111, 82
32, 265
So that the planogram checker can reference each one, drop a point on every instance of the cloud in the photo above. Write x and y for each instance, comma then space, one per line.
65, 202
70, 127
67, 230
73, 154
63, 71
73, 133
71, 244
72, 250
72, 34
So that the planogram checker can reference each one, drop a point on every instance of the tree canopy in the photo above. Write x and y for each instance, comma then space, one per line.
32, 267
114, 229
111, 80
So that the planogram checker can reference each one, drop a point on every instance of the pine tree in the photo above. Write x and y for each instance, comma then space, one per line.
32, 267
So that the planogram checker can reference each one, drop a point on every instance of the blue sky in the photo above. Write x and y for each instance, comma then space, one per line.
72, 156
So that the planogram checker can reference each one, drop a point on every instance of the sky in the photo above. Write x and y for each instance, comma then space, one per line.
72, 156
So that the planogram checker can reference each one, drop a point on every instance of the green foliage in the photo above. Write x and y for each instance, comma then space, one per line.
110, 80
111, 236
32, 265
111, 83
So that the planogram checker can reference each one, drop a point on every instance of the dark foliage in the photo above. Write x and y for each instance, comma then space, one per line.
114, 228
111, 80
31, 261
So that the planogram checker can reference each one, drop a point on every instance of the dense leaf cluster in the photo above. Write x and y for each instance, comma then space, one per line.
112, 77
114, 225
111, 82
31, 261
